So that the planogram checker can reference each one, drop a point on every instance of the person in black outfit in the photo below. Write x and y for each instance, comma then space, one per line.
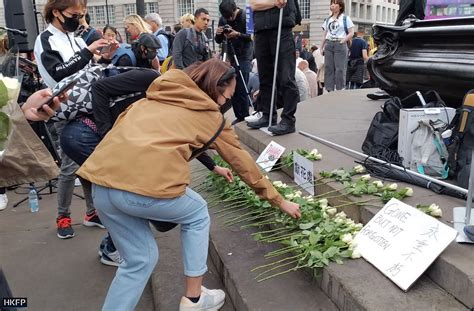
358, 55
232, 31
266, 20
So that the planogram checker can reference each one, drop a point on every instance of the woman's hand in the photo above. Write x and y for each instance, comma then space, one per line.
155, 63
224, 172
109, 51
290, 208
38, 100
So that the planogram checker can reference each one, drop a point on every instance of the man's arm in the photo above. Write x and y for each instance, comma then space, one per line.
262, 5
163, 51
178, 46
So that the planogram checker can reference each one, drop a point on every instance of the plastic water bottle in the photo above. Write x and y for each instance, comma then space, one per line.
33, 199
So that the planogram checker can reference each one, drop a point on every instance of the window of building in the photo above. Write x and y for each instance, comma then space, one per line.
377, 14
305, 7
369, 12
151, 7
466, 9
362, 12
99, 12
384, 14
354, 10
130, 8
185, 7
111, 12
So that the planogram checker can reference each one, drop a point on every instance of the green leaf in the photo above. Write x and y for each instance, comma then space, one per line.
314, 238
3, 94
4, 129
330, 252
317, 254
306, 226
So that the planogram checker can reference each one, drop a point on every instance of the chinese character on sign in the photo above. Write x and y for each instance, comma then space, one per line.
432, 232
419, 245
297, 169
395, 269
409, 256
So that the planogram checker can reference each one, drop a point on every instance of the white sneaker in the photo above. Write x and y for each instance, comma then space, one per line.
255, 116
3, 201
77, 182
210, 300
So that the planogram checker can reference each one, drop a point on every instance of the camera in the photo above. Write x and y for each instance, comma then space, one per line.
227, 29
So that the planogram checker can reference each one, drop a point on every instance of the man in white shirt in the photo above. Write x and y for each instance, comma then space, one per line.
156, 23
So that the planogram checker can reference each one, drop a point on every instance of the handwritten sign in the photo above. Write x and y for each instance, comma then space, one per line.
270, 156
303, 172
402, 242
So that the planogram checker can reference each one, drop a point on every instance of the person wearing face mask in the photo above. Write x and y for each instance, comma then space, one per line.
60, 54
140, 171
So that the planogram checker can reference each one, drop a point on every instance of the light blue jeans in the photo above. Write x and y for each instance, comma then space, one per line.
126, 214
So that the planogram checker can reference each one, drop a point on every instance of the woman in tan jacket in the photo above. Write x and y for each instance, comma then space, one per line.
140, 171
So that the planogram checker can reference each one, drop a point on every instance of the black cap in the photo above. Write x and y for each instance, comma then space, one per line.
149, 40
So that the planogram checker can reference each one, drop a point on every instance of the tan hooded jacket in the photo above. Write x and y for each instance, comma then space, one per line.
148, 149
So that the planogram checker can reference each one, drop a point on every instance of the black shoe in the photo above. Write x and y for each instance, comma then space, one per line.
236, 121
378, 95
163, 226
282, 128
65, 230
263, 122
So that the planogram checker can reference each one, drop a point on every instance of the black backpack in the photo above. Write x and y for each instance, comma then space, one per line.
462, 141
170, 38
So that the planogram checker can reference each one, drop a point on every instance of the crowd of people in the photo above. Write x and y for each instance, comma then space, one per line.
128, 152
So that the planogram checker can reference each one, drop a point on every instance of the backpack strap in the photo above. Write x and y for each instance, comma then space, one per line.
197, 152
344, 22
88, 35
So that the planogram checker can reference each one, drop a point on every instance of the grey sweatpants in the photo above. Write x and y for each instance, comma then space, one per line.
335, 65
66, 180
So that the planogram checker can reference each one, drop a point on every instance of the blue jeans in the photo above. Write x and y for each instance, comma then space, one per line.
126, 215
78, 141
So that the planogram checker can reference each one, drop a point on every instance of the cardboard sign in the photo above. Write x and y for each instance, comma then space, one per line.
402, 242
303, 171
270, 156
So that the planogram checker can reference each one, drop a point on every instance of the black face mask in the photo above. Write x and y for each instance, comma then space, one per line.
70, 24
226, 106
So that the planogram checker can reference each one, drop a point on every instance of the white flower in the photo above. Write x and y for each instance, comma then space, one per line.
357, 227
365, 177
436, 212
349, 222
359, 169
325, 215
408, 191
277, 183
355, 254
338, 220
341, 215
318, 156
377, 184
298, 194
352, 244
12, 85
309, 198
290, 196
314, 152
331, 211
323, 203
433, 207
266, 176
346, 238
393, 186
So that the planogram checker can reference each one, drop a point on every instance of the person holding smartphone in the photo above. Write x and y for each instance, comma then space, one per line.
60, 54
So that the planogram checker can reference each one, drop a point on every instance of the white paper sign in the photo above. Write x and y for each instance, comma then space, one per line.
402, 242
303, 172
270, 156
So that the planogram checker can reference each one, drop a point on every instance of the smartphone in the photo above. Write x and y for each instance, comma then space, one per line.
106, 49
66, 87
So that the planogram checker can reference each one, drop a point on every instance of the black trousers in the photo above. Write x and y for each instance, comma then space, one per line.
240, 100
265, 48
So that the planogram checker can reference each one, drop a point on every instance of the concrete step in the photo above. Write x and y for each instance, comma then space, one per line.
167, 280
331, 117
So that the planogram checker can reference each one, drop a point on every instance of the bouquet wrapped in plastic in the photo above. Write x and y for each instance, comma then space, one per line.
9, 90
